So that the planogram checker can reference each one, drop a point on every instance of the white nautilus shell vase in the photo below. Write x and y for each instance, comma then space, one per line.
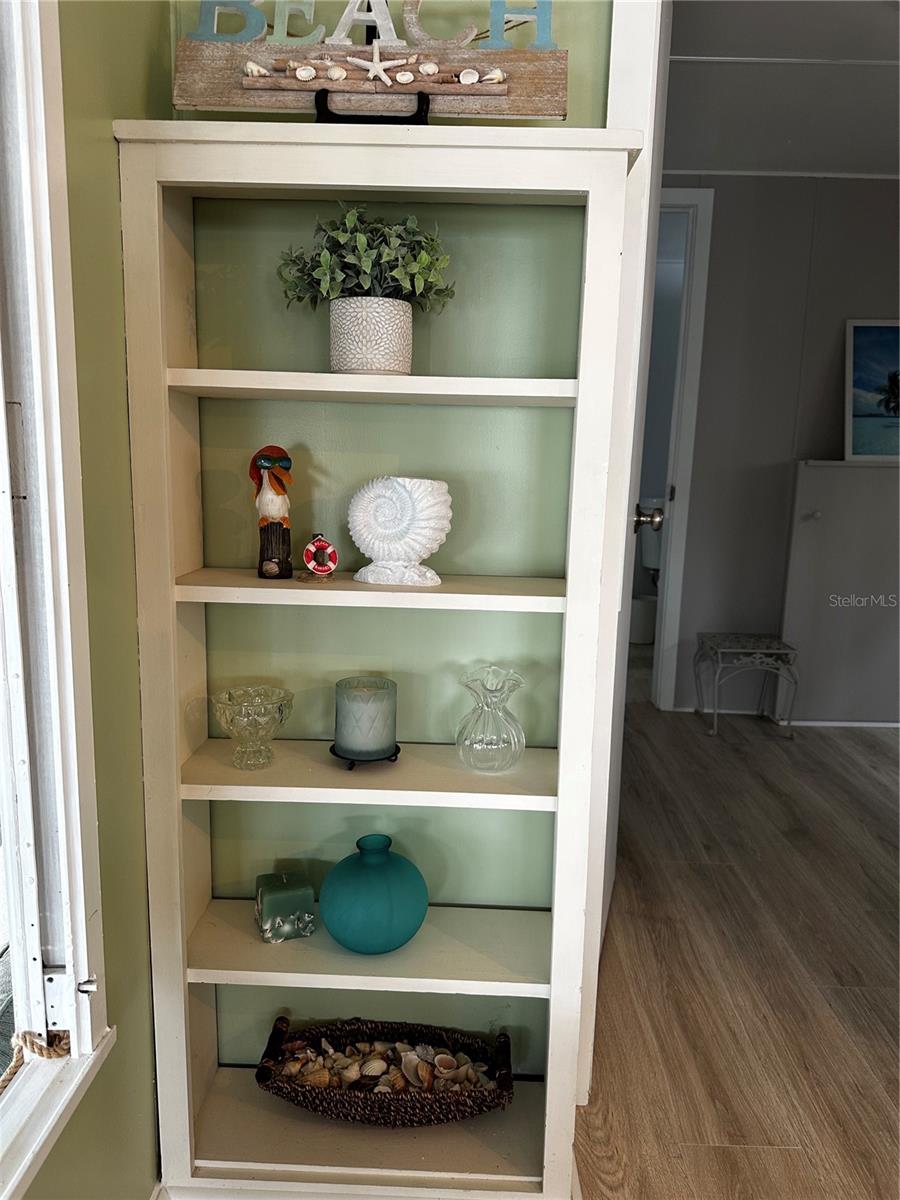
397, 522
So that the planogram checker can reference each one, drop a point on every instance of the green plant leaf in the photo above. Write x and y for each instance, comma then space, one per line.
419, 284
351, 218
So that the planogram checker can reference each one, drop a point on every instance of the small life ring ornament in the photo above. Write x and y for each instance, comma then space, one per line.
320, 557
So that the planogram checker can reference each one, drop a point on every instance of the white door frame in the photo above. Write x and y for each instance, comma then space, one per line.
697, 204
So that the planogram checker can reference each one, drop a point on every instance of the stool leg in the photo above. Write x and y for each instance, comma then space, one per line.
761, 703
794, 682
698, 680
715, 720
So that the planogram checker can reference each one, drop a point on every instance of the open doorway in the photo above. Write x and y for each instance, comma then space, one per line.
682, 261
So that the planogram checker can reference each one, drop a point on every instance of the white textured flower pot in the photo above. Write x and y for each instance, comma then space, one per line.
371, 336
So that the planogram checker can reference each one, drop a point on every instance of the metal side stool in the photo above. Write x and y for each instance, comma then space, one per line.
731, 654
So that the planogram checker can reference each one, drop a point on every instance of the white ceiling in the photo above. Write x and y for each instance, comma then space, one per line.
833, 112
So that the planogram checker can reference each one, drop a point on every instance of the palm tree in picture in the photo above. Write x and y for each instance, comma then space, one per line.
889, 394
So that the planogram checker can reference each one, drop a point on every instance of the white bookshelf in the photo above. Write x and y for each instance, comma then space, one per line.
460, 593
463, 951
220, 1135
244, 1134
424, 776
374, 389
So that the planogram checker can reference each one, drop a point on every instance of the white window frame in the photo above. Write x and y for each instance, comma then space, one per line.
47, 789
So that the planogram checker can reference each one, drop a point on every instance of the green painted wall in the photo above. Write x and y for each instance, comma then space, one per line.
115, 64
580, 26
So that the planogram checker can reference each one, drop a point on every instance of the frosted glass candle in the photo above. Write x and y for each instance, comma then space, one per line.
365, 718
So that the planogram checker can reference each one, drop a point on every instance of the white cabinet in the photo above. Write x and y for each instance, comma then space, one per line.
217, 1128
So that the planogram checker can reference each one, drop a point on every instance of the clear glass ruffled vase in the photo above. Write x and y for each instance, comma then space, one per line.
489, 737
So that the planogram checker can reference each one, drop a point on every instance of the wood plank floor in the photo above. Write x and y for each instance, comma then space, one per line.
747, 1012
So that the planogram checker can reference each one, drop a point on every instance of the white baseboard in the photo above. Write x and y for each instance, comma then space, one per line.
851, 724
159, 1193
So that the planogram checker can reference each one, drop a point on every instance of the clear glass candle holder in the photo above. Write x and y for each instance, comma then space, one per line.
251, 716
365, 718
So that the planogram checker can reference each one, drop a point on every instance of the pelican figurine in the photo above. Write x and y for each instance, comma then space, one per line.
270, 470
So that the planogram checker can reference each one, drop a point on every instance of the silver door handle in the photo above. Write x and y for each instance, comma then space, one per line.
654, 518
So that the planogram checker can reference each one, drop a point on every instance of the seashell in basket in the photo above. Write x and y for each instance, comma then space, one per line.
374, 1066
426, 1053
410, 1067
397, 1079
463, 1059
292, 1067
430, 1099
327, 1047
403, 1048
397, 521
382, 1047
364, 1047
351, 1074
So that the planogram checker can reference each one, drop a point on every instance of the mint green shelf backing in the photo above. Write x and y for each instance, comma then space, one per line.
245, 1016
456, 849
309, 649
517, 270
507, 468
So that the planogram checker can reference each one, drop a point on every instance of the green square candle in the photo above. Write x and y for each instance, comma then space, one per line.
284, 906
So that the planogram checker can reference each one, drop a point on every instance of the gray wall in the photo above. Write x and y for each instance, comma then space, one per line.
769, 102
791, 260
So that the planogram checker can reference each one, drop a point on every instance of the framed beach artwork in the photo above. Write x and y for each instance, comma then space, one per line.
872, 397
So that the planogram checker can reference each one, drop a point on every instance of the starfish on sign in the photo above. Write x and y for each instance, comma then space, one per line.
376, 67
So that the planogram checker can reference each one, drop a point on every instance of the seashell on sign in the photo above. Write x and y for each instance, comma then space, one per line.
305, 73
336, 73
253, 70
404, 77
428, 68
468, 76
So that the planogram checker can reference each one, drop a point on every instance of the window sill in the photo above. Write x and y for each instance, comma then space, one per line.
35, 1109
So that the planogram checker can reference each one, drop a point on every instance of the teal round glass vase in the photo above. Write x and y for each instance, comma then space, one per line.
374, 901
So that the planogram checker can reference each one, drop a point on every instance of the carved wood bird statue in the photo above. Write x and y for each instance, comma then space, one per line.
270, 470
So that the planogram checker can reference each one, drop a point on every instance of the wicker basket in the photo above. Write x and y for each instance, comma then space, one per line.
405, 1109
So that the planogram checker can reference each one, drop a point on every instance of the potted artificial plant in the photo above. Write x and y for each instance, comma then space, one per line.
372, 272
